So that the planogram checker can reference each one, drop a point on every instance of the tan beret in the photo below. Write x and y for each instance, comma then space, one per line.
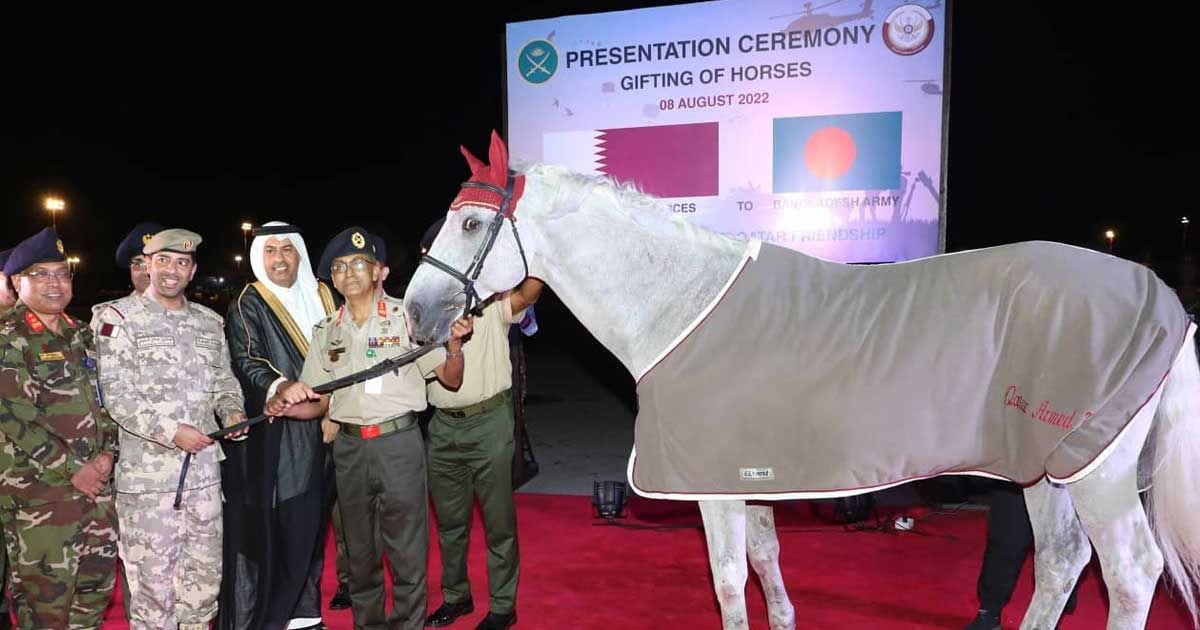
175, 240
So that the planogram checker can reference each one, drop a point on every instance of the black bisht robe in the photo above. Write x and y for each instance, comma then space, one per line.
275, 481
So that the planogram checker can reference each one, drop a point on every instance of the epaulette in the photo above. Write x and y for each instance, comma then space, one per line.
124, 307
395, 305
327, 320
208, 312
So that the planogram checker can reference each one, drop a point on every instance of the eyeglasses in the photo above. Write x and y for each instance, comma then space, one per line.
358, 265
41, 275
139, 265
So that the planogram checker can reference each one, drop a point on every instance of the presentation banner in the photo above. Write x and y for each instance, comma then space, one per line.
817, 126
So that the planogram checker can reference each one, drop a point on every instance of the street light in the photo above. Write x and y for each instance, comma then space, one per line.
1110, 235
246, 227
54, 204
71, 262
238, 259
1184, 222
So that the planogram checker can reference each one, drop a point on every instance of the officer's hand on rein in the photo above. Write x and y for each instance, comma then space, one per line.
191, 439
237, 418
459, 331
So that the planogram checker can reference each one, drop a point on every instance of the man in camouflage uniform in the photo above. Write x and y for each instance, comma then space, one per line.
8, 299
57, 446
8, 295
129, 256
164, 370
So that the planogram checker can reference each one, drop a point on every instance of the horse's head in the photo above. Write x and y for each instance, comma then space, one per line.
474, 255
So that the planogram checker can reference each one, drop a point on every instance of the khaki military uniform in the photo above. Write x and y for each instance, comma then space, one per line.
470, 455
379, 459
160, 369
61, 544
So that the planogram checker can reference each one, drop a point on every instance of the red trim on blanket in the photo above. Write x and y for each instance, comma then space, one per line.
1186, 330
970, 471
855, 490
697, 326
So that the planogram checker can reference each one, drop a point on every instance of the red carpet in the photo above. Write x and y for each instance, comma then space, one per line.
576, 575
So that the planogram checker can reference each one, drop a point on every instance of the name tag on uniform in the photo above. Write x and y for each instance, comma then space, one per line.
205, 342
374, 386
155, 342
51, 356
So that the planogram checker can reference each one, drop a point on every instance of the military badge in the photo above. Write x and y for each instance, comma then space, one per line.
51, 356
357, 240
59, 244
383, 342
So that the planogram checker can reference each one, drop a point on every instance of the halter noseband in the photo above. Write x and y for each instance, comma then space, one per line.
473, 303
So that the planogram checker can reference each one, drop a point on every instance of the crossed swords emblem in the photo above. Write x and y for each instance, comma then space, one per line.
536, 66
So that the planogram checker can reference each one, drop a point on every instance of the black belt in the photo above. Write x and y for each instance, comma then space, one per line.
485, 406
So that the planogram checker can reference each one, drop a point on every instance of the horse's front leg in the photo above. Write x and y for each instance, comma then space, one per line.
725, 530
762, 546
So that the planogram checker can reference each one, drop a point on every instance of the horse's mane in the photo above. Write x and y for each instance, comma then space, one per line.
575, 191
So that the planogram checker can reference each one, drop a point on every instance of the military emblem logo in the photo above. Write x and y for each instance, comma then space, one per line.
908, 29
60, 246
146, 238
537, 62
357, 240
187, 246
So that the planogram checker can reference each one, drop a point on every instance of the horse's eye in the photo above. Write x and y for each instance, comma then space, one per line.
470, 224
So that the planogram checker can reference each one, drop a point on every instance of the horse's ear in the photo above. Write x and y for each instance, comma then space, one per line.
498, 159
472, 161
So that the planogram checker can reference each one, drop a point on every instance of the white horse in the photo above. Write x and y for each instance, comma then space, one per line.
637, 277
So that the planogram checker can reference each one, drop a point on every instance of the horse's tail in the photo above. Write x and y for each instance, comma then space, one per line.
1174, 497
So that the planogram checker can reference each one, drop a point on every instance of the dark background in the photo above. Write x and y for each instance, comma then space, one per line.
1065, 119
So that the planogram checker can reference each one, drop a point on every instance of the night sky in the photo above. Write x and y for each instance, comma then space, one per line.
1063, 121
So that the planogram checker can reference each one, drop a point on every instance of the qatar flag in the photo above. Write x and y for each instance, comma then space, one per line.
843, 152
664, 160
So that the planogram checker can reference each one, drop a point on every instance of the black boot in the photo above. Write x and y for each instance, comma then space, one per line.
341, 599
985, 620
495, 621
447, 613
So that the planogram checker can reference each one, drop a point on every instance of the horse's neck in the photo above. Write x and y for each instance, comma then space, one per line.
635, 285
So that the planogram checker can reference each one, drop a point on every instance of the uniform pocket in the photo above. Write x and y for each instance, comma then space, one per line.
209, 350
158, 356
51, 373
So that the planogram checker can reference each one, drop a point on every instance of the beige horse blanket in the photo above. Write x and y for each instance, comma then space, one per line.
809, 378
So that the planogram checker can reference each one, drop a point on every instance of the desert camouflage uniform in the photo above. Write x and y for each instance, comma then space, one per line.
61, 544
159, 369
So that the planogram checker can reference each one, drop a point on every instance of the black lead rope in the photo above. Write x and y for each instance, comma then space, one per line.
379, 369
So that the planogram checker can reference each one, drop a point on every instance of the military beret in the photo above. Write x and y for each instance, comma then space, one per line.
135, 241
4, 258
176, 240
431, 234
352, 240
45, 246
380, 248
